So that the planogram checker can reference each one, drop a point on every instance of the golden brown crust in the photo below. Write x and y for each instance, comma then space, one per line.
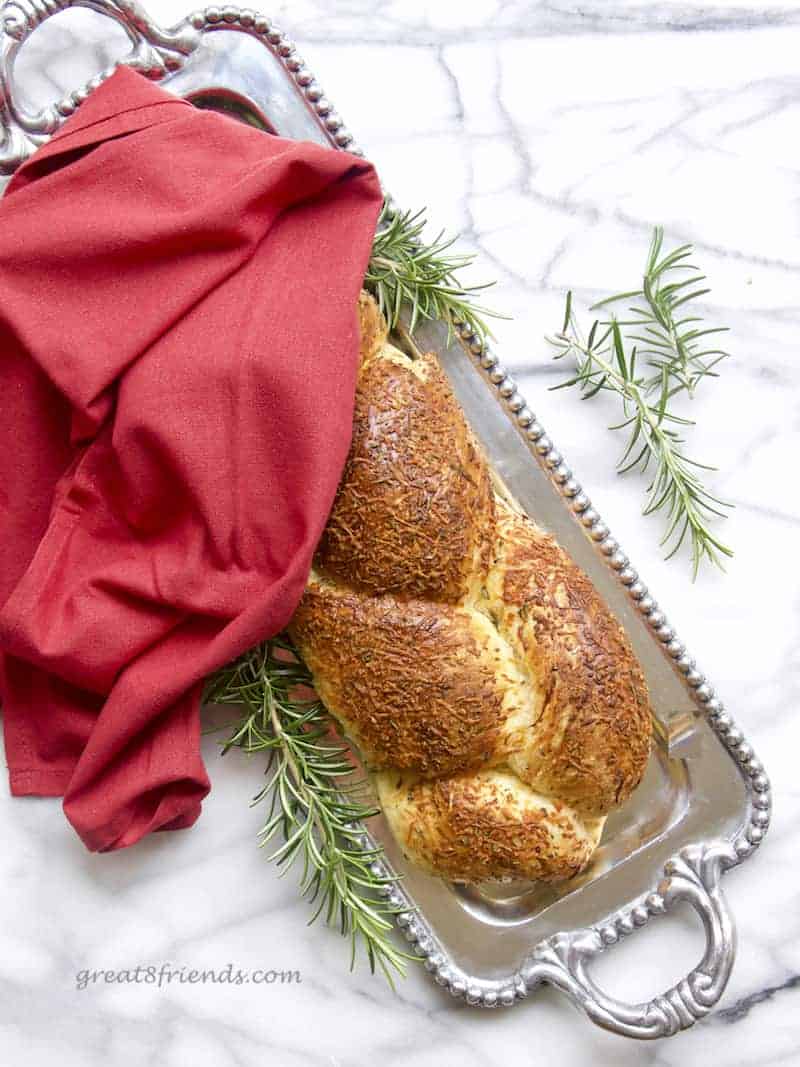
592, 740
414, 507
371, 326
486, 826
416, 685
461, 648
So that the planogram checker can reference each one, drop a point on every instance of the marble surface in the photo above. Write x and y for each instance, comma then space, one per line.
553, 135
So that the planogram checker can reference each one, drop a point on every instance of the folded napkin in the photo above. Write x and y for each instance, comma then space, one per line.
178, 351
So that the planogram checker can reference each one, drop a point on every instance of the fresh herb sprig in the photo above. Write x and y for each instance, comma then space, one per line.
604, 364
315, 804
406, 272
672, 341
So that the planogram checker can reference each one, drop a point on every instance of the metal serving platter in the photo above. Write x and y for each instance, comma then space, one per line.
704, 805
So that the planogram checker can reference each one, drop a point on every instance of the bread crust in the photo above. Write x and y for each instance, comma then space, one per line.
414, 507
592, 737
467, 656
485, 827
416, 685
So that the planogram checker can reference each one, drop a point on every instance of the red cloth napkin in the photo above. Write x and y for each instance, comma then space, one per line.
178, 351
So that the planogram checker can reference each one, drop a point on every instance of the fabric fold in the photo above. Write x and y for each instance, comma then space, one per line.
179, 339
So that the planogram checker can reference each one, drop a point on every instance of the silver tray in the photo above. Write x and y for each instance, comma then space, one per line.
704, 805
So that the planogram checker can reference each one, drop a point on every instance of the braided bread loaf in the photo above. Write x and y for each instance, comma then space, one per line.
494, 697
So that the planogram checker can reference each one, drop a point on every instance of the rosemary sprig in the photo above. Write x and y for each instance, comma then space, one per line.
314, 804
406, 272
673, 345
603, 364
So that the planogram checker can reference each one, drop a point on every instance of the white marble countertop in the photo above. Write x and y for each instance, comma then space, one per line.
553, 135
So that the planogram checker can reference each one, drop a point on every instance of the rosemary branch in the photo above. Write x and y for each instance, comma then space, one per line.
406, 272
603, 364
673, 346
315, 805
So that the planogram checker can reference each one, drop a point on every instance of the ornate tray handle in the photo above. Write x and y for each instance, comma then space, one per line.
154, 51
563, 959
